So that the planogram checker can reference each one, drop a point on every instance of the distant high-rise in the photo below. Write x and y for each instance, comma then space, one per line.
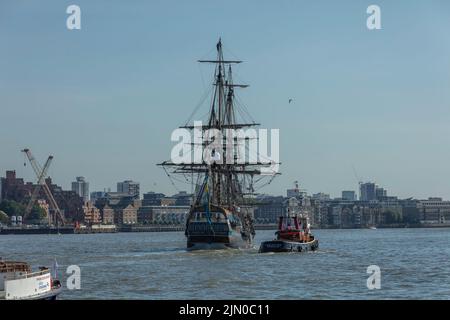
130, 187
292, 193
321, 196
380, 193
367, 191
97, 195
183, 198
349, 195
152, 199
81, 187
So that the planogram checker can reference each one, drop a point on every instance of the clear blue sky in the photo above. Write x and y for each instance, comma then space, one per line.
104, 100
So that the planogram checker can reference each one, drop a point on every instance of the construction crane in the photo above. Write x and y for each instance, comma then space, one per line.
41, 174
358, 178
40, 182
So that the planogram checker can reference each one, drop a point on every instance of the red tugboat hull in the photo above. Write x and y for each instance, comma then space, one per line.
293, 235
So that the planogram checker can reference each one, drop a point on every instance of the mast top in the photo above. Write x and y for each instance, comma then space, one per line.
219, 44
220, 60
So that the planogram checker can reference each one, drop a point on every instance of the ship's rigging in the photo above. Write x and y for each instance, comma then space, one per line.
231, 184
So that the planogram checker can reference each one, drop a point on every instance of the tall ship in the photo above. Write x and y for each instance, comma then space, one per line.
224, 182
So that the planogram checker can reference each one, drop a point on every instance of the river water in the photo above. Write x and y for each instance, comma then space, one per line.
414, 264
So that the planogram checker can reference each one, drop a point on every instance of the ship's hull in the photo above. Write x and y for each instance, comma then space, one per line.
48, 296
215, 230
208, 242
217, 242
288, 246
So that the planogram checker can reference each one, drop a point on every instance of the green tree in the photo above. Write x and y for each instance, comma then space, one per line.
37, 213
3, 217
12, 208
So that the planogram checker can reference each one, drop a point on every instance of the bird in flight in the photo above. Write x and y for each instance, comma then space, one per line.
290, 100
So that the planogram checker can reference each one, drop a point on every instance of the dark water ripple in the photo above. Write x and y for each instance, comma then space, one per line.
415, 264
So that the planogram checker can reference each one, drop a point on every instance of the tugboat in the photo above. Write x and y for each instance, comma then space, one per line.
19, 282
220, 216
293, 235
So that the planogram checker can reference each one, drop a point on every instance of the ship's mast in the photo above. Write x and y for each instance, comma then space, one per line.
226, 180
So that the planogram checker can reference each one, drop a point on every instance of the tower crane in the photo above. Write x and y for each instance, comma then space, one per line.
41, 173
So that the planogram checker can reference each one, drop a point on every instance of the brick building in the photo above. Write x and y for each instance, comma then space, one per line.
91, 214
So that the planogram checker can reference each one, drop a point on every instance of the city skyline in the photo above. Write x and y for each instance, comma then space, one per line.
366, 191
104, 95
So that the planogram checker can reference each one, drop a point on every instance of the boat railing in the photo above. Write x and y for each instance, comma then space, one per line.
14, 266
26, 275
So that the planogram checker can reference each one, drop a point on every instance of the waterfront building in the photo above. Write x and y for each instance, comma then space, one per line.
130, 187
145, 214
123, 205
336, 214
13, 188
168, 201
356, 214
410, 210
70, 203
349, 195
321, 196
91, 214
367, 191
389, 200
380, 193
127, 215
269, 208
94, 196
107, 214
292, 193
81, 187
343, 216
115, 199
183, 198
320, 213
163, 214
152, 198
434, 211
